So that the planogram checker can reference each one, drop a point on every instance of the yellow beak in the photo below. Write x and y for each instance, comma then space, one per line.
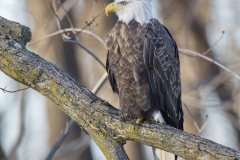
112, 7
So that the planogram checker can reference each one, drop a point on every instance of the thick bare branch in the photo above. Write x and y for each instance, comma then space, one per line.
98, 118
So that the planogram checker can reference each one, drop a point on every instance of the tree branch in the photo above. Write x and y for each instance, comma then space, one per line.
97, 117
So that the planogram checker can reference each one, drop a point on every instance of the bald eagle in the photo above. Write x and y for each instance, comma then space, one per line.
143, 64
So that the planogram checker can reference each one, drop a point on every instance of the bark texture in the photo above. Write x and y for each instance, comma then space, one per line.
97, 117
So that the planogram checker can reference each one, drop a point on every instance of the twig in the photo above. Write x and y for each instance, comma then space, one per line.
53, 8
70, 125
64, 34
76, 41
217, 41
88, 24
196, 54
199, 130
204, 125
191, 116
69, 30
68, 4
7, 91
70, 22
100, 83
87, 50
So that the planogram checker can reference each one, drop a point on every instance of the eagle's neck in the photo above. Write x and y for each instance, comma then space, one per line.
140, 11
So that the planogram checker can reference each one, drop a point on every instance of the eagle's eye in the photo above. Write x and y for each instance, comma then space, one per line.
124, 3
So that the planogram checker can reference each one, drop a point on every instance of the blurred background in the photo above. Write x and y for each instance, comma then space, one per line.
30, 124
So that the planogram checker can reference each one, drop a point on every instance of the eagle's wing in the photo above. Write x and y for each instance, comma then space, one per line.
162, 64
111, 76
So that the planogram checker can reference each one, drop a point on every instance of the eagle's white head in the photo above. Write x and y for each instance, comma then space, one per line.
127, 10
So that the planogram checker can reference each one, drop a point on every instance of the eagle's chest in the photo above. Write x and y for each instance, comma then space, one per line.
128, 57
129, 46
125, 59
125, 44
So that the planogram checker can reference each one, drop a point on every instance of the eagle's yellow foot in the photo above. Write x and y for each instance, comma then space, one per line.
138, 122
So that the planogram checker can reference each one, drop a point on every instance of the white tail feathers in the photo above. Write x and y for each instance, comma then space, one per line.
157, 116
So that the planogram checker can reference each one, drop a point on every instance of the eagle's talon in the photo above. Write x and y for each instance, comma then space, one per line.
138, 122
